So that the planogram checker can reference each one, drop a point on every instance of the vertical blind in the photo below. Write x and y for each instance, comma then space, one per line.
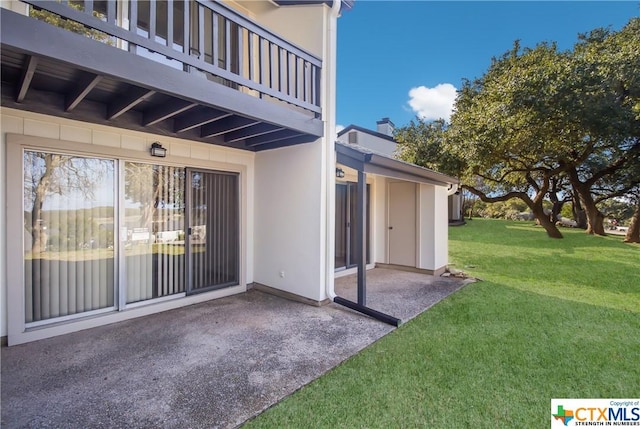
214, 241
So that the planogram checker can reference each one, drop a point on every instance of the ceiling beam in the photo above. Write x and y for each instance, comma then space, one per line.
165, 111
27, 75
86, 83
123, 103
306, 138
252, 131
197, 119
226, 125
272, 137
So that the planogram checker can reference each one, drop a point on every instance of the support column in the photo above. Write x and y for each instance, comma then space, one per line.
361, 237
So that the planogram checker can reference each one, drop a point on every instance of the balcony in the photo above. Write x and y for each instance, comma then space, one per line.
190, 69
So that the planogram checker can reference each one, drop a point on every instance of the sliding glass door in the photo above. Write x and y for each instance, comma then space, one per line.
103, 234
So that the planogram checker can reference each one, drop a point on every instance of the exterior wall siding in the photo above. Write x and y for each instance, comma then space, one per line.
288, 208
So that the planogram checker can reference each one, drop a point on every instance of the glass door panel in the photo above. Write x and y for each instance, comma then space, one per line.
346, 222
214, 230
341, 226
154, 245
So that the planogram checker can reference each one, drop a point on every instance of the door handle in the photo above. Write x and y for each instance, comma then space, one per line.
390, 228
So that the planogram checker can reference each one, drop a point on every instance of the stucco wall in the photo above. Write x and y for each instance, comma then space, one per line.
302, 25
433, 227
289, 240
134, 145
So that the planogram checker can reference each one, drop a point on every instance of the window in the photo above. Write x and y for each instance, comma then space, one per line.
353, 137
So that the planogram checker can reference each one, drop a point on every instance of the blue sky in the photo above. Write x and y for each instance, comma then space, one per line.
388, 48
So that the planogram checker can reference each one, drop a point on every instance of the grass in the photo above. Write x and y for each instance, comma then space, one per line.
550, 319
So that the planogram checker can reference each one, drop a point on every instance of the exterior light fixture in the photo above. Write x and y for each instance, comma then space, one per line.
339, 173
158, 150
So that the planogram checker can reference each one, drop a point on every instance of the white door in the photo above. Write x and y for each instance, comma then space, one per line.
402, 223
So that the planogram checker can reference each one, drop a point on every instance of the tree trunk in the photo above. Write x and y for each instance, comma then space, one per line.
545, 221
578, 212
633, 233
557, 203
595, 219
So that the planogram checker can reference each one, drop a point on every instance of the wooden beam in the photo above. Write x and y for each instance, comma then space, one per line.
252, 131
197, 119
166, 111
86, 83
285, 142
127, 102
27, 75
272, 137
226, 125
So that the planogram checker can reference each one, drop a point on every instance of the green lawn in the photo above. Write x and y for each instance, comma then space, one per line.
550, 319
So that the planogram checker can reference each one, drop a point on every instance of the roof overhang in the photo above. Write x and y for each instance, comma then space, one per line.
345, 5
362, 159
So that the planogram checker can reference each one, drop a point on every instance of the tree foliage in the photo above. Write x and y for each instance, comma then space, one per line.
423, 143
73, 26
543, 124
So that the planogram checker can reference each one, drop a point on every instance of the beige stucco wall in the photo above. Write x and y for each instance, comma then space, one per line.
433, 227
288, 218
302, 25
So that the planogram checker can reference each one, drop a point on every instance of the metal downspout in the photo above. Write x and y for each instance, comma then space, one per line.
333, 24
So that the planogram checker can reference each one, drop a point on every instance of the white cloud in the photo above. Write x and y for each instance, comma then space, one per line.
433, 103
339, 128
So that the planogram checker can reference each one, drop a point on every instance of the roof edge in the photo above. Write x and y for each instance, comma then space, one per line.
366, 131
361, 159
345, 6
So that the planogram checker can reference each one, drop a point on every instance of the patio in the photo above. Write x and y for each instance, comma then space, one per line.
214, 364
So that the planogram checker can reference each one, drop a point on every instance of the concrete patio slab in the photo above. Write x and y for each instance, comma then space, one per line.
211, 365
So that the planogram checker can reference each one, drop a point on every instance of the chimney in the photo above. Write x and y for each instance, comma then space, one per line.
386, 127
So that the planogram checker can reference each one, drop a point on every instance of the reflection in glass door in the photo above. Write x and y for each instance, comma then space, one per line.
342, 225
213, 233
154, 227
69, 206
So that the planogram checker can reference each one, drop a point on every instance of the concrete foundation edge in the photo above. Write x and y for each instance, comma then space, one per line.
287, 295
